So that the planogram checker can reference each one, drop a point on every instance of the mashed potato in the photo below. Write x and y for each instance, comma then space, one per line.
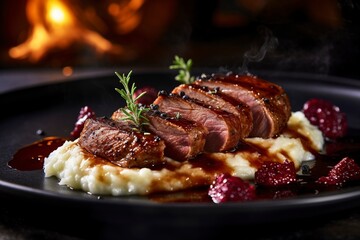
77, 169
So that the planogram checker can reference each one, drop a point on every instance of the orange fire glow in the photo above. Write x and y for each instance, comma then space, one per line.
54, 25
125, 16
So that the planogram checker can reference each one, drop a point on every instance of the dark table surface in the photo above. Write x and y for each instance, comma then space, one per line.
26, 219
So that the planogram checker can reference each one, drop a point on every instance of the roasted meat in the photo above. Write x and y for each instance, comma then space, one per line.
119, 143
217, 100
184, 139
213, 114
223, 128
269, 103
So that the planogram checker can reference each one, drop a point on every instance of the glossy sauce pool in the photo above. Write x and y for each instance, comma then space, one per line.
31, 157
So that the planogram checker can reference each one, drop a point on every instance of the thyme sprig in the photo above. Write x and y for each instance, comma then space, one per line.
184, 68
133, 112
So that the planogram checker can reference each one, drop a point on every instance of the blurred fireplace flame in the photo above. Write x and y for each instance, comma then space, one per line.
54, 25
126, 16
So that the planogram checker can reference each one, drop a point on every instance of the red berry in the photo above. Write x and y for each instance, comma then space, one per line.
149, 96
227, 188
327, 116
345, 170
275, 174
85, 113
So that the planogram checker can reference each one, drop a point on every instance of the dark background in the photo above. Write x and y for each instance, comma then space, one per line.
316, 36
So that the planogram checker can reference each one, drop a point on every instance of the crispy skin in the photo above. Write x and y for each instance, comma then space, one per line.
214, 98
269, 103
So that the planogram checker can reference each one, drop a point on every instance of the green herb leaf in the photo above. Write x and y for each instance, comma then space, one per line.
184, 68
133, 112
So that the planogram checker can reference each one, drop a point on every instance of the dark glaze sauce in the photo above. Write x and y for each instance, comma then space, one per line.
31, 157
307, 175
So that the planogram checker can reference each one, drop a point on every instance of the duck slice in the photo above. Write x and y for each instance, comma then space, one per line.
269, 103
223, 127
120, 144
184, 139
216, 99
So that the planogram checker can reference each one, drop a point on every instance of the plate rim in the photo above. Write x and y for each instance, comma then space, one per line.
331, 198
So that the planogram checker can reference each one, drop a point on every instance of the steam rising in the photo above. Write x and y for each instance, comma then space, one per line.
257, 54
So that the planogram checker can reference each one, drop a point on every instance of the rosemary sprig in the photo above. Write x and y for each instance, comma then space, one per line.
184, 67
133, 112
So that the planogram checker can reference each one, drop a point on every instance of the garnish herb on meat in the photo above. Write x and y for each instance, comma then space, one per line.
184, 67
133, 112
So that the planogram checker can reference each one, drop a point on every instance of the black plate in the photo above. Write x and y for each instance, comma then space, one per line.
54, 108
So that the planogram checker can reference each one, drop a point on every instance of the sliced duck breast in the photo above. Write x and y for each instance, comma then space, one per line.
216, 99
224, 131
269, 103
184, 139
120, 144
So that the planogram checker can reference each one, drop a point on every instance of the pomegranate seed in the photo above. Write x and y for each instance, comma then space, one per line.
345, 170
327, 116
275, 174
227, 188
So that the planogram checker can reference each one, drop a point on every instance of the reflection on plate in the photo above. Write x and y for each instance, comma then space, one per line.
54, 107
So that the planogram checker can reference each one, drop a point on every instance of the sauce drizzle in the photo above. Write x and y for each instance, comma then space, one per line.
31, 157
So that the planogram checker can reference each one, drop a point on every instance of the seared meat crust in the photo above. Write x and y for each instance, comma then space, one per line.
184, 139
214, 98
269, 103
120, 144
223, 127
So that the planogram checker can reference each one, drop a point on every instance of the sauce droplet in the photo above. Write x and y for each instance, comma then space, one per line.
31, 157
